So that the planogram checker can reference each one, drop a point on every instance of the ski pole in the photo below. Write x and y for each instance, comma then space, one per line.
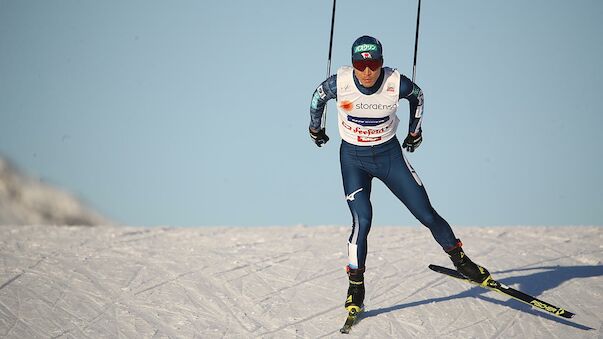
414, 63
324, 115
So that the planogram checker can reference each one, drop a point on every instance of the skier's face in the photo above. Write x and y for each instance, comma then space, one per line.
367, 77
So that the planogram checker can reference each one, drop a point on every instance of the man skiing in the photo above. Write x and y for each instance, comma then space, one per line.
367, 96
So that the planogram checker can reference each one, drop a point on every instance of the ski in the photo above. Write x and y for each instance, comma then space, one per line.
350, 320
494, 285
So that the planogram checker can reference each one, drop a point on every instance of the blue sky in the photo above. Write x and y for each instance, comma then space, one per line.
192, 113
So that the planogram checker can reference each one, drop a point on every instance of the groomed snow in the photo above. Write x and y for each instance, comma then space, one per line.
289, 282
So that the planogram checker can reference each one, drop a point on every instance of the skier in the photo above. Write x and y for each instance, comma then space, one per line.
367, 96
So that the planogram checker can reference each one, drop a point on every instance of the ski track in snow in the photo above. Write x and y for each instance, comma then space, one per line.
289, 282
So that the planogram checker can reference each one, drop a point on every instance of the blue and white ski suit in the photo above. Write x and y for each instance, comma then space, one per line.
370, 149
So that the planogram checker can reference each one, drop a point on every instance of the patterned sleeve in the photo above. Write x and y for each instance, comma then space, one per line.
326, 91
414, 95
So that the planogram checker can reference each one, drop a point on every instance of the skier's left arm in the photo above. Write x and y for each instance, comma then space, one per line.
413, 93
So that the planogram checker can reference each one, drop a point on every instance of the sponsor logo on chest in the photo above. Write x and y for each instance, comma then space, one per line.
349, 106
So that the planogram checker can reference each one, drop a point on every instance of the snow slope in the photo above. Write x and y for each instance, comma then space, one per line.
289, 282
25, 200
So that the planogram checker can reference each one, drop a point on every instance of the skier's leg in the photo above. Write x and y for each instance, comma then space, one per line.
362, 214
404, 182
357, 188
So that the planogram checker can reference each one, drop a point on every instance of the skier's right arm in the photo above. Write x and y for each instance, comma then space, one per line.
323, 93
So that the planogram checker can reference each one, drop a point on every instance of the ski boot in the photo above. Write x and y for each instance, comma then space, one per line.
355, 298
466, 267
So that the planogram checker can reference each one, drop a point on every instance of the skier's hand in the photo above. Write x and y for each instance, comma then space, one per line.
320, 138
412, 141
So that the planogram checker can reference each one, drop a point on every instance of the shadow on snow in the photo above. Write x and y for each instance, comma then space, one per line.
534, 284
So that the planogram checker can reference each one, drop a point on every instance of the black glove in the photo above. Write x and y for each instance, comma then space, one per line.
412, 142
320, 138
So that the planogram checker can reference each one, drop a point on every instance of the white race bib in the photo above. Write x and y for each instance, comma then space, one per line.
367, 120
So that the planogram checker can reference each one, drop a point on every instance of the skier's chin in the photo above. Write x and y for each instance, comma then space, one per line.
367, 83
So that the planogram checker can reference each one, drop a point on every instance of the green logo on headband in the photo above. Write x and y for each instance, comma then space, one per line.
365, 48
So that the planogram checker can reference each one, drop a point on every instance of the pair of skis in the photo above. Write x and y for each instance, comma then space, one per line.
490, 284
494, 285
